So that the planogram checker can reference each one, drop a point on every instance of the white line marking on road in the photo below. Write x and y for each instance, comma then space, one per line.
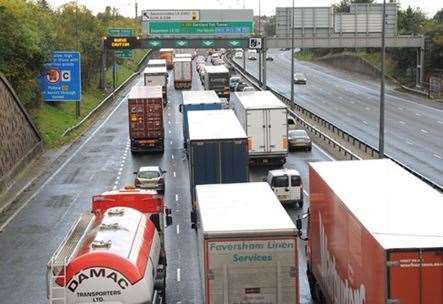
114, 188
171, 142
306, 193
178, 228
424, 131
172, 156
440, 122
323, 152
178, 275
169, 131
368, 108
176, 197
410, 142
62, 166
353, 102
417, 114
437, 156
365, 122
402, 122
400, 108
116, 182
169, 122
175, 174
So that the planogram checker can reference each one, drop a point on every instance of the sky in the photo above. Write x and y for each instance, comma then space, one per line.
127, 7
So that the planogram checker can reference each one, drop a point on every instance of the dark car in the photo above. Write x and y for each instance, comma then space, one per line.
299, 139
240, 87
269, 58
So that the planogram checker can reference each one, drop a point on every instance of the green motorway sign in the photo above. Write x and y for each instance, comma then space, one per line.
200, 28
122, 32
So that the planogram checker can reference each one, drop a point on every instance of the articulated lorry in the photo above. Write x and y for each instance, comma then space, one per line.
375, 235
156, 63
157, 76
113, 254
217, 149
145, 115
182, 73
265, 120
247, 245
216, 77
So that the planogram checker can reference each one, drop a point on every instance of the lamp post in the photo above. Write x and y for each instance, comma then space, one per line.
292, 52
381, 135
259, 51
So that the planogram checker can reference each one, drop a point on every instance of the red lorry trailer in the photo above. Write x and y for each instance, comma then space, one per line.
145, 114
375, 235
114, 254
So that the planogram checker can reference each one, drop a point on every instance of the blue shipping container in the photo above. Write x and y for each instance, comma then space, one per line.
218, 149
198, 101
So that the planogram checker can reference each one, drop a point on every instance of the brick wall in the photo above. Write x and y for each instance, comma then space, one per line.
19, 139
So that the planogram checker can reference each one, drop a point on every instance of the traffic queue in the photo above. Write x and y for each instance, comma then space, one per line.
364, 242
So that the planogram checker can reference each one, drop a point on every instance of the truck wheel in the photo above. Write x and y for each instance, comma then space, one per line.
300, 205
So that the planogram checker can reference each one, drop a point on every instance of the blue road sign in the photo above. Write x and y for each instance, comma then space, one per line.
60, 79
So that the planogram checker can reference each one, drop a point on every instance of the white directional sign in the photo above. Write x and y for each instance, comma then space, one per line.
171, 15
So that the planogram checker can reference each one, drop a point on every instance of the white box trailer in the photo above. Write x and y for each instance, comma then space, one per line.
183, 73
265, 120
247, 245
157, 76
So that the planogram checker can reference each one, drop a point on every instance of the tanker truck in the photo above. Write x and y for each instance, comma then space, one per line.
113, 254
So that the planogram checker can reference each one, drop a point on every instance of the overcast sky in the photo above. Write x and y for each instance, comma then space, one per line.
126, 7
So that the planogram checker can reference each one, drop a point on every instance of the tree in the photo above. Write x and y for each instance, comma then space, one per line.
438, 18
411, 21
344, 5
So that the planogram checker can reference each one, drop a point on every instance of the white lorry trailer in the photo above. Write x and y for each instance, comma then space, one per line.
247, 245
265, 120
157, 76
182, 73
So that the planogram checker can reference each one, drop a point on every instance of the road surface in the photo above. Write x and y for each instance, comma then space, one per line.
102, 161
413, 124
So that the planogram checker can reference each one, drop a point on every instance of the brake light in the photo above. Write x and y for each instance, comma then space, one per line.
249, 143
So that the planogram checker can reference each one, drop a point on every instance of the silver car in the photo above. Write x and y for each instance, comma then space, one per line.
299, 139
151, 177
300, 78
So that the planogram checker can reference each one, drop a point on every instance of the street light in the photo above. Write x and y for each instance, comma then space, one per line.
292, 52
259, 51
381, 135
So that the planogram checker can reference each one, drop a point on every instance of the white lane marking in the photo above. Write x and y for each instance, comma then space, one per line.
402, 122
368, 108
440, 122
178, 275
437, 156
323, 151
62, 166
169, 114
178, 228
353, 102
417, 114
171, 142
172, 156
169, 122
365, 122
424, 131
306, 193
114, 188
169, 131
176, 197
175, 174
400, 108
410, 142
116, 182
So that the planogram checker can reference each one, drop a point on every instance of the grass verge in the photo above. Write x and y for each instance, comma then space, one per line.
52, 119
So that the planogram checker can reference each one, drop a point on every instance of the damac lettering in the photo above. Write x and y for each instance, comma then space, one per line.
97, 273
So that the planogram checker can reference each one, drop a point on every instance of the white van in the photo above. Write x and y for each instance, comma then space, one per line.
287, 185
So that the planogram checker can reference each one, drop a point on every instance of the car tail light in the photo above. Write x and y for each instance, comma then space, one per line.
285, 143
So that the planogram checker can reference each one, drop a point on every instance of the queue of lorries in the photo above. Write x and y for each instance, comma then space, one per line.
365, 240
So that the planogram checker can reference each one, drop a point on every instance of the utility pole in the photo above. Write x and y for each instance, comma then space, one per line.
381, 136
292, 51
259, 51
77, 102
136, 10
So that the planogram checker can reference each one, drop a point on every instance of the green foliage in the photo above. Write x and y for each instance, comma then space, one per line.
411, 21
344, 5
30, 31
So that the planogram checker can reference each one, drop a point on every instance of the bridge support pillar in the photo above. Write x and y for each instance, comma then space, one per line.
264, 68
260, 64
420, 66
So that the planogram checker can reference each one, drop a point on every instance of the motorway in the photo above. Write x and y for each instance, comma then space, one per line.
413, 125
100, 161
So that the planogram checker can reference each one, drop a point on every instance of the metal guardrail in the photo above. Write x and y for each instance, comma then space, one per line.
109, 97
352, 140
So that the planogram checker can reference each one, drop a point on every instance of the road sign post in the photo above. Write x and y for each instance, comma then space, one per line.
60, 80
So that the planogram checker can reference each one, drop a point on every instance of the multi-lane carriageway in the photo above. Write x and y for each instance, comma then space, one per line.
413, 125
101, 161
